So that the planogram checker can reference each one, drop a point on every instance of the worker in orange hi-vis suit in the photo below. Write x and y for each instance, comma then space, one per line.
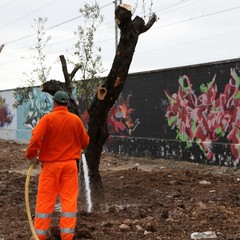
57, 141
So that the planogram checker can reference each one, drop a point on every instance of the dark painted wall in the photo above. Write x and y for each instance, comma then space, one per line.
186, 113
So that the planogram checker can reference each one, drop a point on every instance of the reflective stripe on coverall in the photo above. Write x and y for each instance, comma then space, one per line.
57, 177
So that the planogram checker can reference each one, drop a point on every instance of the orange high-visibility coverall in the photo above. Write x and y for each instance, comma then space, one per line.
57, 140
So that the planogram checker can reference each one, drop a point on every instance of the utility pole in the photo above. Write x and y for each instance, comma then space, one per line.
116, 27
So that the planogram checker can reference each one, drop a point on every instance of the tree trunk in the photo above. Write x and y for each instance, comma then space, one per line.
107, 93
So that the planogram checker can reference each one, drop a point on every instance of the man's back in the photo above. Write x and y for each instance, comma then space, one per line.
61, 135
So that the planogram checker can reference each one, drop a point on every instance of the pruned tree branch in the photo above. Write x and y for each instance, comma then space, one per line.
74, 71
65, 71
1, 47
149, 24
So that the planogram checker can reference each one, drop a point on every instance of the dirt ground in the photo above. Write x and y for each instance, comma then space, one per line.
145, 199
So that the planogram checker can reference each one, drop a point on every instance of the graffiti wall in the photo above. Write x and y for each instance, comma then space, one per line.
16, 124
30, 113
188, 113
8, 116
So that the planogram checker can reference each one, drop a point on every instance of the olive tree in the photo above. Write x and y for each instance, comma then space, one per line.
108, 91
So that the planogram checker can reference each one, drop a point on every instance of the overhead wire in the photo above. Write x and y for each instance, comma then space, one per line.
7, 4
72, 19
49, 28
163, 9
155, 28
193, 41
166, 7
198, 17
27, 15
192, 19
178, 6
196, 40
52, 27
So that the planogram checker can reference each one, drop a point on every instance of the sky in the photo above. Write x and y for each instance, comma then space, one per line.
187, 32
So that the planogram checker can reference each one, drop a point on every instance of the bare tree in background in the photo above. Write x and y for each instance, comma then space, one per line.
41, 71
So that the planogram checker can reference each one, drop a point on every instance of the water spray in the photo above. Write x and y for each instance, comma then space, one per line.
87, 183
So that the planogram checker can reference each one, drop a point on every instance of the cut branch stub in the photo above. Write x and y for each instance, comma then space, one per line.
123, 15
101, 92
1, 47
